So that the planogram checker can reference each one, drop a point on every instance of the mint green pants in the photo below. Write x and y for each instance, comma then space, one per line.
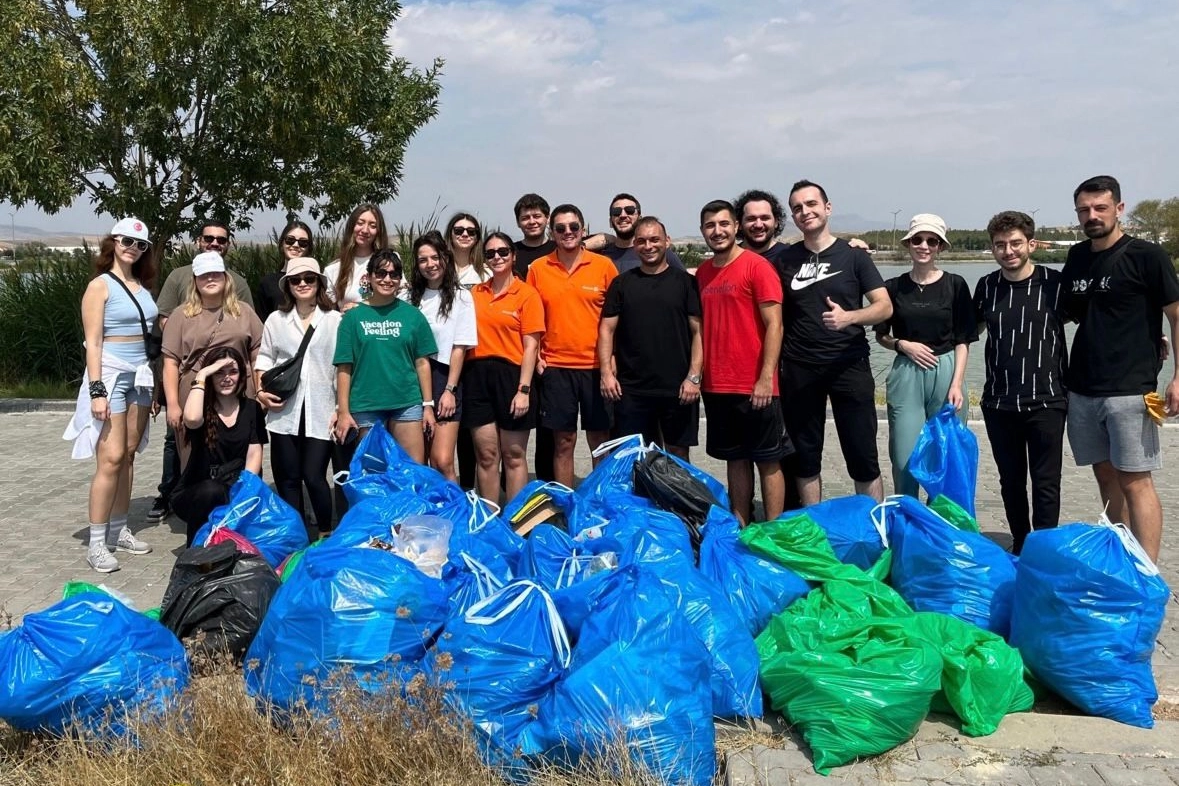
914, 395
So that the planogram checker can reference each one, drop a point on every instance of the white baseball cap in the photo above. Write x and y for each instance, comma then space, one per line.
207, 262
131, 227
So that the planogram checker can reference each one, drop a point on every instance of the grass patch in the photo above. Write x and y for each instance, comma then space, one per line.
41, 389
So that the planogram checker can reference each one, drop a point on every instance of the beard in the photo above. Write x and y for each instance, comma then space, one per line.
1097, 230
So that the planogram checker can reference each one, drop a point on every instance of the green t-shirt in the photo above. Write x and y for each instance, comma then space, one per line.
382, 343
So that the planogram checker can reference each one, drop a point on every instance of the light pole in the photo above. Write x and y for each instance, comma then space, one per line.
12, 221
1037, 210
894, 228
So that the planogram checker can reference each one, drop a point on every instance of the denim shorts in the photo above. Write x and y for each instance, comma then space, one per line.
382, 416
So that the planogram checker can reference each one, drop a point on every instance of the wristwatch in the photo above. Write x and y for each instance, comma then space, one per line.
429, 403
451, 388
694, 379
526, 389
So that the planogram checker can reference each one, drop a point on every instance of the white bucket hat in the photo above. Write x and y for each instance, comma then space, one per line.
927, 222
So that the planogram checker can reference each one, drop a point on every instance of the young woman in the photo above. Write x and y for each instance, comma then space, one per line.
465, 238
931, 327
434, 289
226, 432
364, 232
211, 317
294, 241
300, 426
498, 403
118, 385
382, 364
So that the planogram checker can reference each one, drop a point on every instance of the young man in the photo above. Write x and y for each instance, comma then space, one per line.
649, 346
572, 283
1023, 401
625, 213
1117, 287
532, 216
761, 215
825, 349
741, 300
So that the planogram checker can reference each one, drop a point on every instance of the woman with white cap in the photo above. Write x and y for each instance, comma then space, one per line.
931, 329
300, 425
211, 316
115, 399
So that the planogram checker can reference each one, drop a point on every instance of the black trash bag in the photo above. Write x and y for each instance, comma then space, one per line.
221, 592
672, 487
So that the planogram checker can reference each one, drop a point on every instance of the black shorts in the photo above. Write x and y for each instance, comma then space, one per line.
652, 416
489, 385
805, 388
567, 391
738, 432
440, 373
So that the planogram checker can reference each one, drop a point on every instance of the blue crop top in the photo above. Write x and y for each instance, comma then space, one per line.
120, 317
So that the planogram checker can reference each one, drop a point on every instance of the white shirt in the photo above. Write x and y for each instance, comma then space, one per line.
281, 336
457, 330
469, 277
352, 292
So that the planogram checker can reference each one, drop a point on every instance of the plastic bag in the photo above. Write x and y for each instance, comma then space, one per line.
261, 517
358, 608
757, 587
850, 529
381, 466
221, 593
1088, 607
378, 517
646, 534
671, 487
472, 515
952, 512
91, 659
226, 535
937, 567
945, 459
615, 473
540, 502
474, 570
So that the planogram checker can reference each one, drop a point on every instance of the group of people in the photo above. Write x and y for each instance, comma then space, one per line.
481, 340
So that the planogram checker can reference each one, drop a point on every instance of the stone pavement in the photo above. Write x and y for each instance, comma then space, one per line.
43, 513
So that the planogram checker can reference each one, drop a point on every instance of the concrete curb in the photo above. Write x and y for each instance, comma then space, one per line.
9, 405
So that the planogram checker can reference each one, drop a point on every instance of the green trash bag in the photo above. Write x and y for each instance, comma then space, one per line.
72, 588
954, 513
800, 544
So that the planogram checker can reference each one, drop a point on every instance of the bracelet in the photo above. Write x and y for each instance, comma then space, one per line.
198, 384
429, 403
98, 389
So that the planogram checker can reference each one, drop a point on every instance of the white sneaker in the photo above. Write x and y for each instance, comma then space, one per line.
129, 543
101, 560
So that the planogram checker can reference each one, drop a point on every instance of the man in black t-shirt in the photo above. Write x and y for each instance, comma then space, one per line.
1117, 288
1023, 402
649, 346
824, 346
532, 216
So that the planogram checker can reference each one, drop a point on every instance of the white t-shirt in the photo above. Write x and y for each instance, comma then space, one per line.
352, 293
457, 330
469, 277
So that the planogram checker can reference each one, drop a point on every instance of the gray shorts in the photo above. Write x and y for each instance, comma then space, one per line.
1116, 429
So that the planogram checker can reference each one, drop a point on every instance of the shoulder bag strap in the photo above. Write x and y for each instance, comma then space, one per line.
139, 308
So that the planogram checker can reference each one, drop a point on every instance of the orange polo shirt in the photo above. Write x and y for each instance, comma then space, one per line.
573, 301
503, 320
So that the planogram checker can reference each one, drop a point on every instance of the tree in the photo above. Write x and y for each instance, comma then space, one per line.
180, 110
1148, 217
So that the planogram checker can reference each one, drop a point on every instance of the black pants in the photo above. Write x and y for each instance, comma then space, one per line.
171, 472
1024, 442
192, 504
546, 443
298, 461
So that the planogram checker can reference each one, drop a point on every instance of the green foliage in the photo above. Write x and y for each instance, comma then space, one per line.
1157, 220
174, 110
401, 236
692, 254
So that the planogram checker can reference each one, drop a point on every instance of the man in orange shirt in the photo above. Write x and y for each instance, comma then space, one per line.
572, 283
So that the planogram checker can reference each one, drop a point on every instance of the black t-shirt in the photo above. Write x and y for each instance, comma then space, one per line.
653, 342
269, 295
1117, 297
939, 314
233, 442
1025, 348
839, 272
774, 253
526, 255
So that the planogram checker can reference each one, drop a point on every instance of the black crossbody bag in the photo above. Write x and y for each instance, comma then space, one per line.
283, 379
152, 345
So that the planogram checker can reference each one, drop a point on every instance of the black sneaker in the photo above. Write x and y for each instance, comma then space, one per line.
159, 510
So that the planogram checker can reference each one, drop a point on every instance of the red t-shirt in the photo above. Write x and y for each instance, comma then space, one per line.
733, 332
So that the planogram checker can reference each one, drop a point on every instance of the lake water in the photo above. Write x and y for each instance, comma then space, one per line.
975, 374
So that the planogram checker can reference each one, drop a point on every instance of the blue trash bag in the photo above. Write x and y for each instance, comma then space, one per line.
615, 474
258, 514
851, 530
937, 567
473, 515
503, 656
1088, 607
89, 659
380, 465
561, 495
638, 672
945, 459
569, 569
361, 609
474, 571
757, 587
548, 556
377, 516
647, 534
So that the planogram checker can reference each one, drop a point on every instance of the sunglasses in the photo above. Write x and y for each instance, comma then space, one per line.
294, 241
380, 275
630, 210
561, 229
220, 240
932, 242
307, 279
468, 231
128, 242
501, 252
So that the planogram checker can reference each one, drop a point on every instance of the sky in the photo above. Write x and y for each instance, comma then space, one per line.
961, 109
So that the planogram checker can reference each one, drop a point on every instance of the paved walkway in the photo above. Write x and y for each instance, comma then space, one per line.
43, 513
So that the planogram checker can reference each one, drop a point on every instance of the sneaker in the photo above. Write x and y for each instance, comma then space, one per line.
159, 510
102, 560
129, 543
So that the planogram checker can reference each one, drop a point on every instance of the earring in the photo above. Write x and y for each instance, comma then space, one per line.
366, 288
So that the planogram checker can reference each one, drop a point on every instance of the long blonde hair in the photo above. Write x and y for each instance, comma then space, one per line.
229, 300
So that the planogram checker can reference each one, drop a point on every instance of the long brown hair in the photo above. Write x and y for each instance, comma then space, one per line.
348, 248
143, 269
476, 257
213, 355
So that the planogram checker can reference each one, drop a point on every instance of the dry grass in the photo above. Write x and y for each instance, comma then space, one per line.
1166, 710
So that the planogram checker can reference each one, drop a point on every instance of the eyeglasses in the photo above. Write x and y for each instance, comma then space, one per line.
630, 210
307, 279
291, 242
220, 240
932, 242
386, 273
128, 242
492, 253
561, 229
468, 231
